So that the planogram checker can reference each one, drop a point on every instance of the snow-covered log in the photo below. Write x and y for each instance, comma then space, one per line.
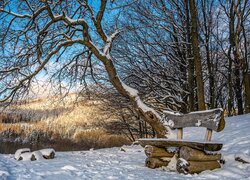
155, 162
191, 167
48, 153
19, 152
38, 155
27, 156
243, 158
156, 152
163, 142
191, 154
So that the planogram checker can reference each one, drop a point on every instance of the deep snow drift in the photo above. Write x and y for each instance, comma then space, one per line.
128, 163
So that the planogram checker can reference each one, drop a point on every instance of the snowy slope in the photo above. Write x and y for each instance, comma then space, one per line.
116, 164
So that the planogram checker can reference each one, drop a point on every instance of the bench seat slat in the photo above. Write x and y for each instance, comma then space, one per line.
162, 142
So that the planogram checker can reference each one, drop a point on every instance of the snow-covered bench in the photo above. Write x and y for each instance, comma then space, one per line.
26, 155
183, 155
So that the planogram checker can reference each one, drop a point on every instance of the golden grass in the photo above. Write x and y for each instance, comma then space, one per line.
71, 118
15, 127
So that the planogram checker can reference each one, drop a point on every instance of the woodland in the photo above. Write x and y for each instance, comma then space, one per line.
144, 56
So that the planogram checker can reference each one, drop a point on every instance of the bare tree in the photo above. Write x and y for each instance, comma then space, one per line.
158, 65
237, 13
36, 33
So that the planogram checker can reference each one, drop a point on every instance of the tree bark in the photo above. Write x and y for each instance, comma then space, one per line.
191, 154
230, 101
238, 88
192, 167
235, 21
197, 57
191, 84
155, 163
246, 80
246, 73
156, 152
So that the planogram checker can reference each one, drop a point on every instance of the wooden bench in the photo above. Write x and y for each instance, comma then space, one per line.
182, 155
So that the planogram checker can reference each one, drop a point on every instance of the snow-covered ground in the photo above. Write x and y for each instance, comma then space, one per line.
114, 163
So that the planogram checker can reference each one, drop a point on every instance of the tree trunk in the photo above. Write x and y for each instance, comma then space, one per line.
238, 69
235, 28
197, 57
148, 114
140, 129
246, 73
131, 136
230, 101
191, 85
207, 32
211, 80
145, 129
246, 78
238, 89
232, 44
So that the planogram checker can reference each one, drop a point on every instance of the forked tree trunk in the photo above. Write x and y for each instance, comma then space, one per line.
148, 114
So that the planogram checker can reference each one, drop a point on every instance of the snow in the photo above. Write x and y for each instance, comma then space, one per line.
47, 152
38, 155
113, 163
210, 110
27, 156
172, 149
169, 123
172, 112
198, 124
172, 164
20, 151
183, 162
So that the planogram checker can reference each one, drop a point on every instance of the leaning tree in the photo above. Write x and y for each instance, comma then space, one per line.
36, 34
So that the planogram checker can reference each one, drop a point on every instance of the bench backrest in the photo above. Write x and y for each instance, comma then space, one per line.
211, 119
